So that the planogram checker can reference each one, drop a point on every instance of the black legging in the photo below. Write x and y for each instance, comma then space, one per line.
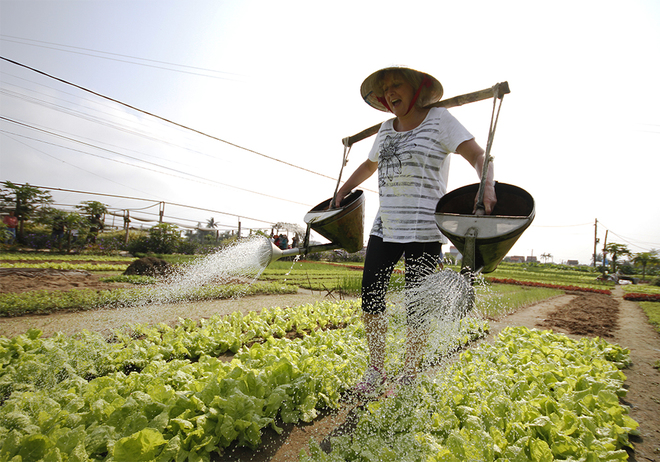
421, 260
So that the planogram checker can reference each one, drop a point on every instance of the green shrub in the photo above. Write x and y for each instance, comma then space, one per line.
162, 238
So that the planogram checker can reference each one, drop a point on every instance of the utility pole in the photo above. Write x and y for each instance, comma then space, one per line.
127, 224
605, 251
595, 240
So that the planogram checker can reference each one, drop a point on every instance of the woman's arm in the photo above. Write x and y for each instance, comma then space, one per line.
474, 154
364, 171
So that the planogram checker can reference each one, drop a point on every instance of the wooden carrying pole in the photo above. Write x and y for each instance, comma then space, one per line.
499, 89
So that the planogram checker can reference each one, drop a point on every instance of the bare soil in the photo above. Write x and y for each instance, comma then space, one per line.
574, 314
19, 280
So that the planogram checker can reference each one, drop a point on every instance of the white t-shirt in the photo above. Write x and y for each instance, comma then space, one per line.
413, 168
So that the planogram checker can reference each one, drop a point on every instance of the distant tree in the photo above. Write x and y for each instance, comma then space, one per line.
643, 259
211, 224
25, 200
545, 257
92, 208
616, 251
94, 212
164, 238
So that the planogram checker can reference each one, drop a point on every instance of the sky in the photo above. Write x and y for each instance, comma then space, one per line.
235, 110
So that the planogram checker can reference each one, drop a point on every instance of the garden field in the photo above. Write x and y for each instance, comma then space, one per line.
271, 383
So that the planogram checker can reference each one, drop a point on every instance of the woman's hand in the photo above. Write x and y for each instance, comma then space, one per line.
364, 171
338, 198
489, 201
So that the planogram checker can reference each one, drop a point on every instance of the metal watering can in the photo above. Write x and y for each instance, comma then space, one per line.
484, 240
342, 226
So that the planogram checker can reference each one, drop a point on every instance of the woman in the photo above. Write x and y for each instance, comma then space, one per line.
411, 154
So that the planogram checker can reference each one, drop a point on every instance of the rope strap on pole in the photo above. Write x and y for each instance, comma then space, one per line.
487, 157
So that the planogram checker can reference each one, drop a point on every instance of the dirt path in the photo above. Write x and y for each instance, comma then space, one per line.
643, 380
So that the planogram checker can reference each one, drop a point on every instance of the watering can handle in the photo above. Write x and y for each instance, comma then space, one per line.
500, 89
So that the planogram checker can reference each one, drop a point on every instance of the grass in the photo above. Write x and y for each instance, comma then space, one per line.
652, 310
314, 276
550, 275
499, 299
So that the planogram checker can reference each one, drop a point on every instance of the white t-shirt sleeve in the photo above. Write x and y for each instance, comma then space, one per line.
452, 132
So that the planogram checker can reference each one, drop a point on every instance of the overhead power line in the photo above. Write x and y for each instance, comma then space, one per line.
92, 118
89, 172
177, 175
185, 127
148, 200
639, 244
52, 46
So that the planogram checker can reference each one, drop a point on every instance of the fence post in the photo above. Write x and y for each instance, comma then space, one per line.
127, 221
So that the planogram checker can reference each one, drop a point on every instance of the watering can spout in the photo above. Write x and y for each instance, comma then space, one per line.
342, 226
274, 253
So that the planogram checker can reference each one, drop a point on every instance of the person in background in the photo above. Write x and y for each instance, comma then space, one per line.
284, 242
11, 222
57, 230
411, 156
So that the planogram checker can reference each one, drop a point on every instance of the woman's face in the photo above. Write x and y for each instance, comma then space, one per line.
398, 93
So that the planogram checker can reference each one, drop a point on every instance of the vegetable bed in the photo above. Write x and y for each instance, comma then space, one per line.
162, 393
531, 396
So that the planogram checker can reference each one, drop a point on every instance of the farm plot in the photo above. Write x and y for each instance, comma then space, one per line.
315, 347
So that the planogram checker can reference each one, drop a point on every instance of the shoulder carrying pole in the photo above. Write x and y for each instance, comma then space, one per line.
496, 91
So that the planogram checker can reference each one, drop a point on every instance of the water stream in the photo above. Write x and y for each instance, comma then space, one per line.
241, 262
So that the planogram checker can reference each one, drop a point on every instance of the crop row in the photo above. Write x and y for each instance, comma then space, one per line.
121, 266
638, 297
539, 274
167, 396
18, 304
530, 396
547, 285
59, 257
641, 288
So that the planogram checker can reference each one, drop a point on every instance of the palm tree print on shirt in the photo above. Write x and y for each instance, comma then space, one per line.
393, 151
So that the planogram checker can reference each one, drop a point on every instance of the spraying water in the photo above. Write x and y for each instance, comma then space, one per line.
444, 296
241, 262
439, 310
